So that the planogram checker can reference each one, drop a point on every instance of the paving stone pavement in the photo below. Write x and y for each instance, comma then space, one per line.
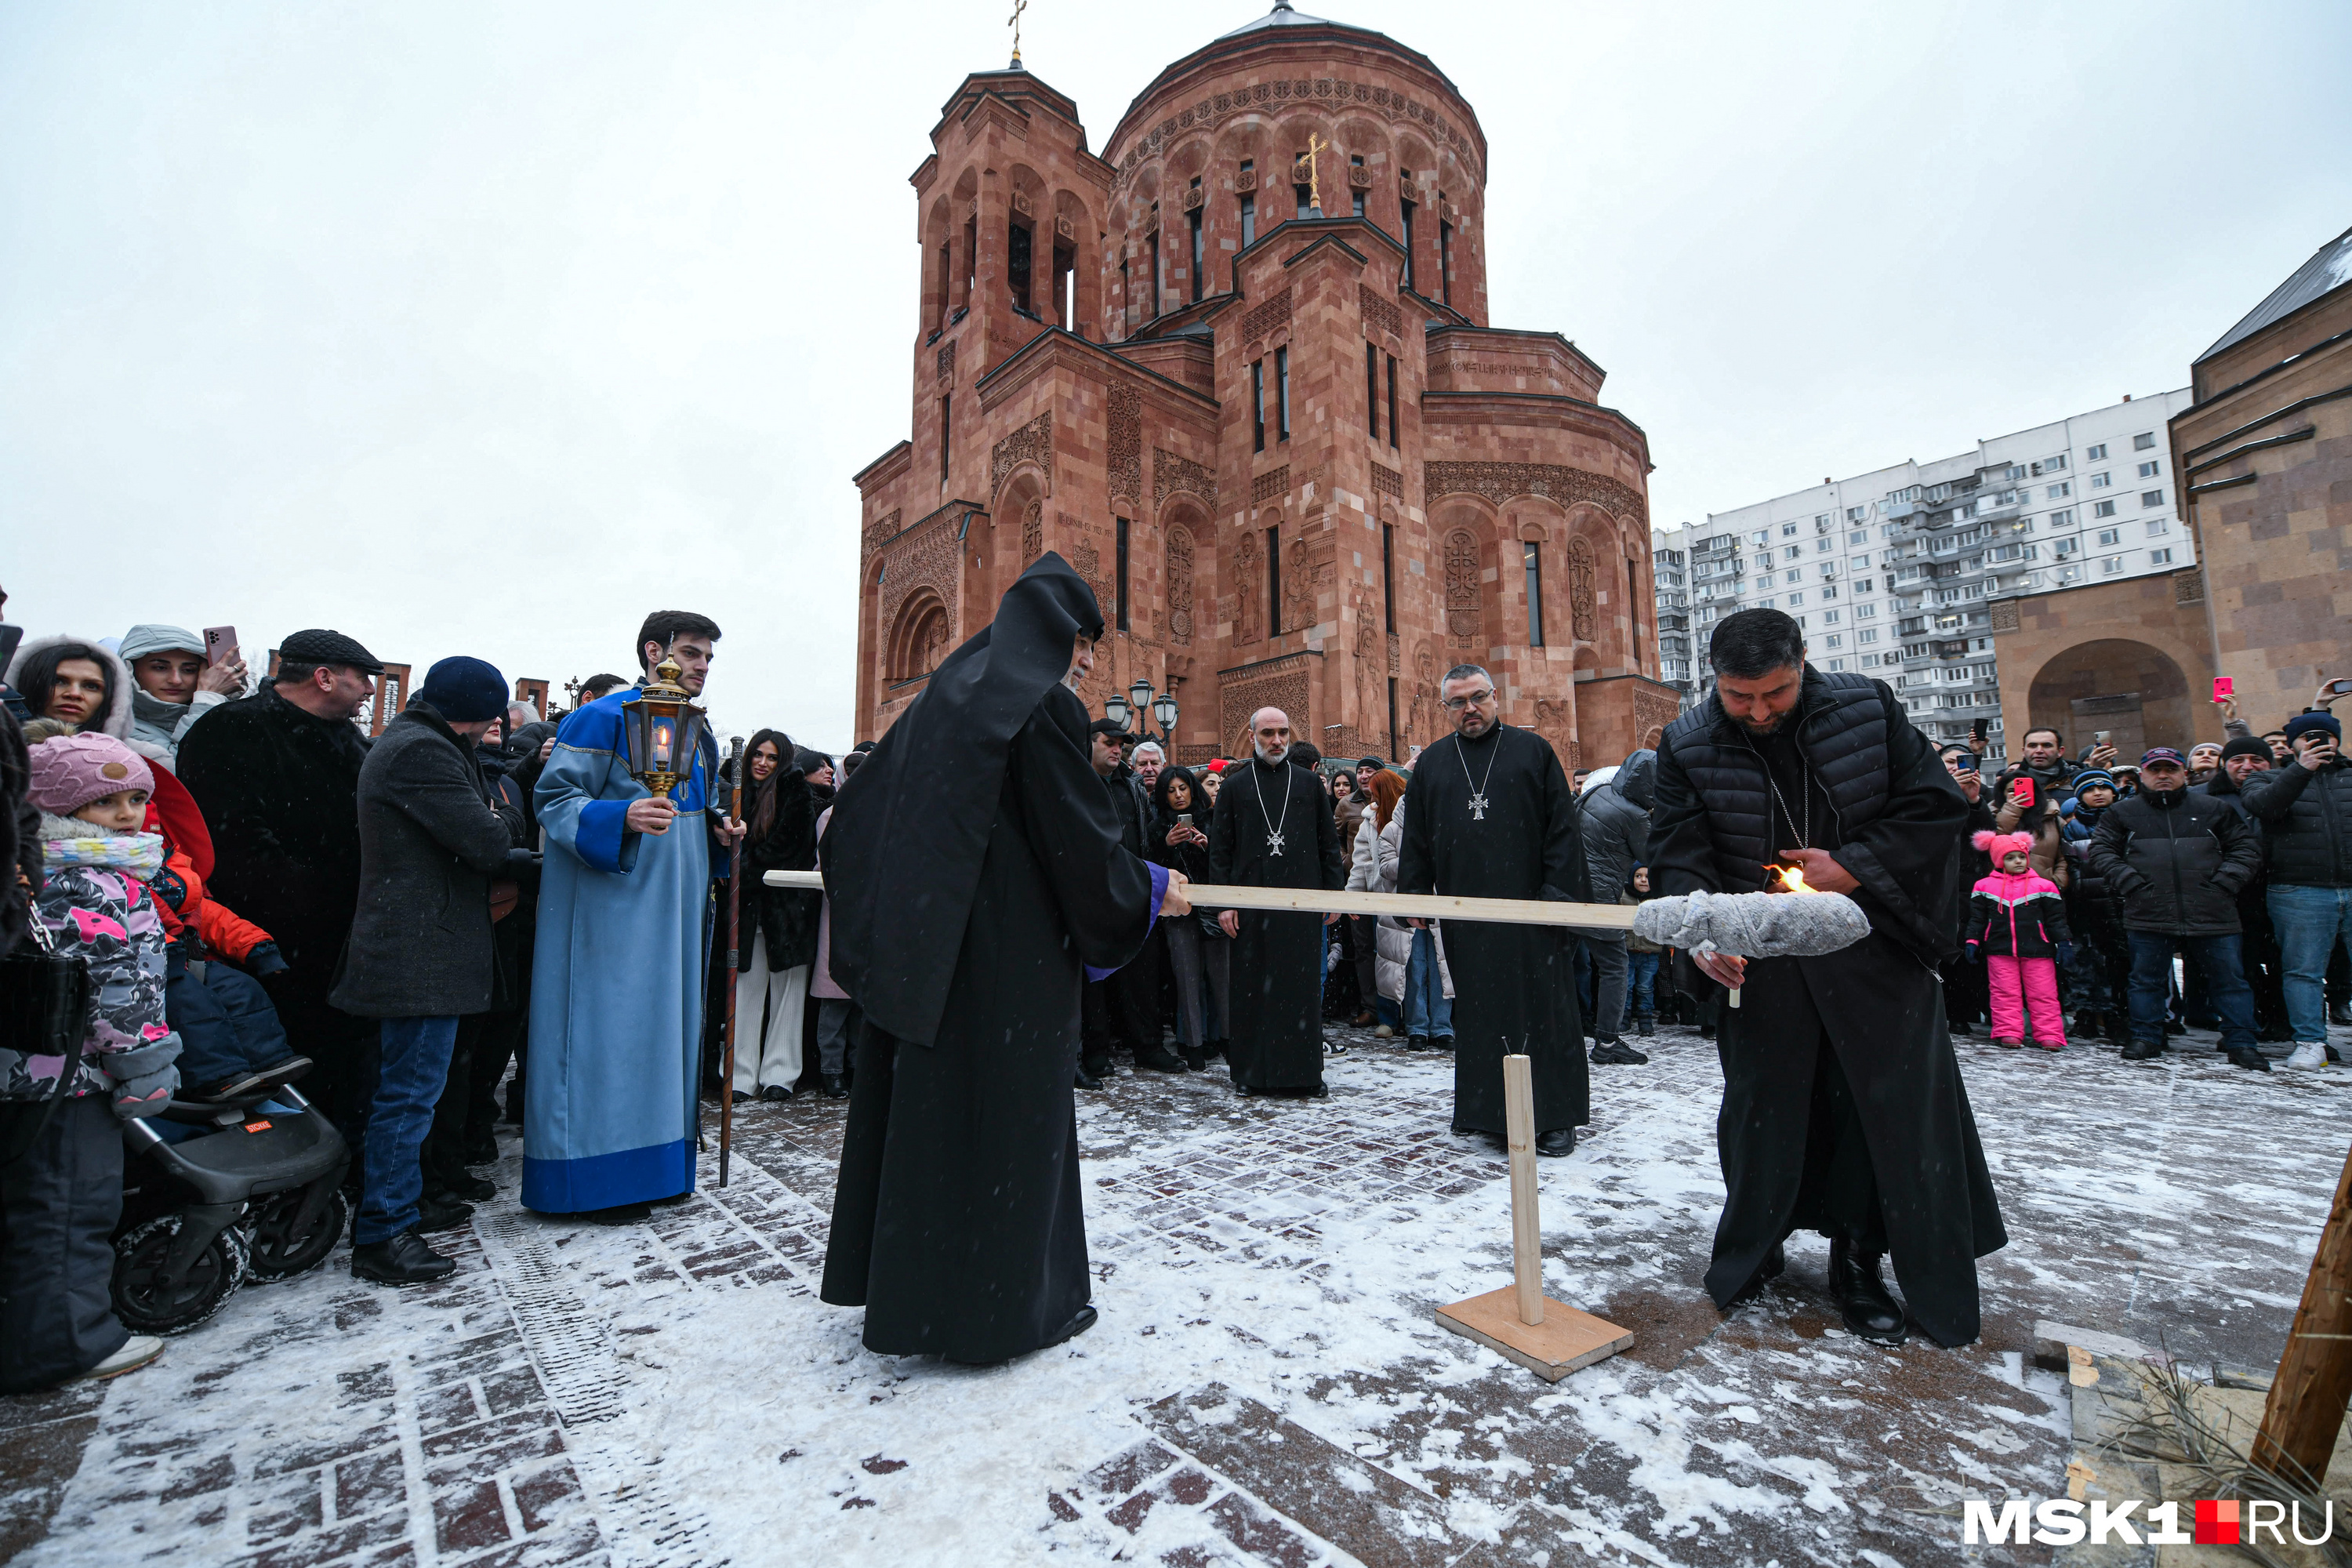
1266, 1385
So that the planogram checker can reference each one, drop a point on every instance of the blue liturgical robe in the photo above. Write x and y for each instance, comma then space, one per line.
616, 980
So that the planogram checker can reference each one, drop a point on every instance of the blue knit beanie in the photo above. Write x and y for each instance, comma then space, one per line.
464, 690
2303, 722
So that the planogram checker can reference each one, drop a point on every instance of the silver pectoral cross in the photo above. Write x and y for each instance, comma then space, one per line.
1479, 806
1273, 843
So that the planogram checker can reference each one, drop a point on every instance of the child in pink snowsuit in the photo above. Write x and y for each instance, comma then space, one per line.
2017, 929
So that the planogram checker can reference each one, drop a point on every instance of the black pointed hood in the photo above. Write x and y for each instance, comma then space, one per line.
910, 825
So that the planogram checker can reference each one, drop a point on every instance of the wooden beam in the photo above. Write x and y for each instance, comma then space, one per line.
1402, 906
2305, 1408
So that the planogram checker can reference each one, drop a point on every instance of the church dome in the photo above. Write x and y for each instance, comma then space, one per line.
1282, 16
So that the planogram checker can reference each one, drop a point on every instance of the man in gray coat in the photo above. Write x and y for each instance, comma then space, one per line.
420, 954
1615, 822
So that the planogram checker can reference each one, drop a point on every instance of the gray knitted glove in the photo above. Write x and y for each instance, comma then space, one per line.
143, 1078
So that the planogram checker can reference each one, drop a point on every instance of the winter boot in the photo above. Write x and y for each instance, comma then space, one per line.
1644, 1025
1870, 1313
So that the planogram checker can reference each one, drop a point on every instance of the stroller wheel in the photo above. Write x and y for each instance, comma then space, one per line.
279, 1252
146, 1305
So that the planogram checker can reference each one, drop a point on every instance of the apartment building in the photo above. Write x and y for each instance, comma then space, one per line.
1890, 572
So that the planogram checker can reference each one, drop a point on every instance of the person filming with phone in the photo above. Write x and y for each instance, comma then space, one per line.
177, 684
2305, 807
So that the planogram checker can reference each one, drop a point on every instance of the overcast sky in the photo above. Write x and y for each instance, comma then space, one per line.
488, 328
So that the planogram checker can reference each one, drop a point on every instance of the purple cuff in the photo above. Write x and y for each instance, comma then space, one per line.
1159, 894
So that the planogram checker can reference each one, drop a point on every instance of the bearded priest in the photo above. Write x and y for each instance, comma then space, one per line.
1490, 816
1274, 828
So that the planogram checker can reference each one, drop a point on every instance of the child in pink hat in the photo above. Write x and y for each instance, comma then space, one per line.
2017, 929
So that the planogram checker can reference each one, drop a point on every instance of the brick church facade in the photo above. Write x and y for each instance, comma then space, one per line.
1282, 440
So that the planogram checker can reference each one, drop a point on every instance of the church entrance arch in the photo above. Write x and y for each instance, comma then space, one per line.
918, 639
2135, 692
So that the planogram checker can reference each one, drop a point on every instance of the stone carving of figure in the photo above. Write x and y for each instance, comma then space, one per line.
1245, 588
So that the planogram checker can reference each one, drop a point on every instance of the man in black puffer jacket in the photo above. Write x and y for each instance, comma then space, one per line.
2306, 810
2176, 858
1843, 1106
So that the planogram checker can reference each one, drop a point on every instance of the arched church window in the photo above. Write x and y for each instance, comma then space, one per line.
1461, 583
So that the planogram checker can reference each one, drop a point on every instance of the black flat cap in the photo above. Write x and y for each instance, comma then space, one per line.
1108, 727
319, 646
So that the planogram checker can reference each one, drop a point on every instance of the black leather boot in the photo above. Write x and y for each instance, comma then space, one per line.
403, 1259
1869, 1311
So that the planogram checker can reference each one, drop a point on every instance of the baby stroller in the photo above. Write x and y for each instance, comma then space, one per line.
222, 1189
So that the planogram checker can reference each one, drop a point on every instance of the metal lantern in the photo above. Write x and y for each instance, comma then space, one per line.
664, 731
1139, 697
1115, 710
1163, 709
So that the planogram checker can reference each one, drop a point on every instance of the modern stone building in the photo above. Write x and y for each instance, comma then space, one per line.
1281, 438
2260, 451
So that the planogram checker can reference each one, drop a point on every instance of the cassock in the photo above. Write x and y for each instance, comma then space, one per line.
1843, 1106
976, 879
1274, 828
1493, 818
616, 977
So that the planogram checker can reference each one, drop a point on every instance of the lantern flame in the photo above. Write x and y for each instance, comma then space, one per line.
1792, 880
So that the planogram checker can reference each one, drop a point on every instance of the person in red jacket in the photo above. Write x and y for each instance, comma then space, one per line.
2017, 929
220, 963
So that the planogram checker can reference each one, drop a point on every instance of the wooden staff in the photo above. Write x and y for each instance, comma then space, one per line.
734, 931
1401, 905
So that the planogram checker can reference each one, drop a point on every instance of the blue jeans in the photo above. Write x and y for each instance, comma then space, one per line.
2309, 923
1428, 1011
414, 1069
2225, 983
1641, 984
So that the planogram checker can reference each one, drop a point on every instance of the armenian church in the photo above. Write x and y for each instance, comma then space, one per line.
1237, 368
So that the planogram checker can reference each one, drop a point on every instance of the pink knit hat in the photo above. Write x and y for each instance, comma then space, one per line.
71, 771
2000, 846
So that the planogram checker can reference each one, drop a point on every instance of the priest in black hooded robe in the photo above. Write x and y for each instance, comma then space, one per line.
1843, 1112
976, 875
1489, 816
1275, 828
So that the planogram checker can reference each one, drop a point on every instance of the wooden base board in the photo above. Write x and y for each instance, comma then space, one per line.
1566, 1339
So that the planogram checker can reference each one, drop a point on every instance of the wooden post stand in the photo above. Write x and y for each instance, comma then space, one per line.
2305, 1408
1547, 1337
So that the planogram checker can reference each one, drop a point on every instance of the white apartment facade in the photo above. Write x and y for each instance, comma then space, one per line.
1889, 572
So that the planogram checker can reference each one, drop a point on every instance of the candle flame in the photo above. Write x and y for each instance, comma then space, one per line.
1792, 880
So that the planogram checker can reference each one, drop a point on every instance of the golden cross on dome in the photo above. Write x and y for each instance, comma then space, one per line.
1013, 21
1314, 183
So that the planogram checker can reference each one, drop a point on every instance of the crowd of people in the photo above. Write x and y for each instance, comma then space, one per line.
262, 893
2234, 857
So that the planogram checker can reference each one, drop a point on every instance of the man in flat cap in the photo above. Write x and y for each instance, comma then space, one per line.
276, 776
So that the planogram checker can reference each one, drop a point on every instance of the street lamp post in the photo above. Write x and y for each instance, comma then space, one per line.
1139, 702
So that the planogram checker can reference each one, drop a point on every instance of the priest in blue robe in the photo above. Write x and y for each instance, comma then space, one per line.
617, 977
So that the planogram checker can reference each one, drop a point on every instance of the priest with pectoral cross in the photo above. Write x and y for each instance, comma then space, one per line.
1274, 828
1489, 816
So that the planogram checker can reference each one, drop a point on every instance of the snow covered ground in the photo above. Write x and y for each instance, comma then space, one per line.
1267, 1383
